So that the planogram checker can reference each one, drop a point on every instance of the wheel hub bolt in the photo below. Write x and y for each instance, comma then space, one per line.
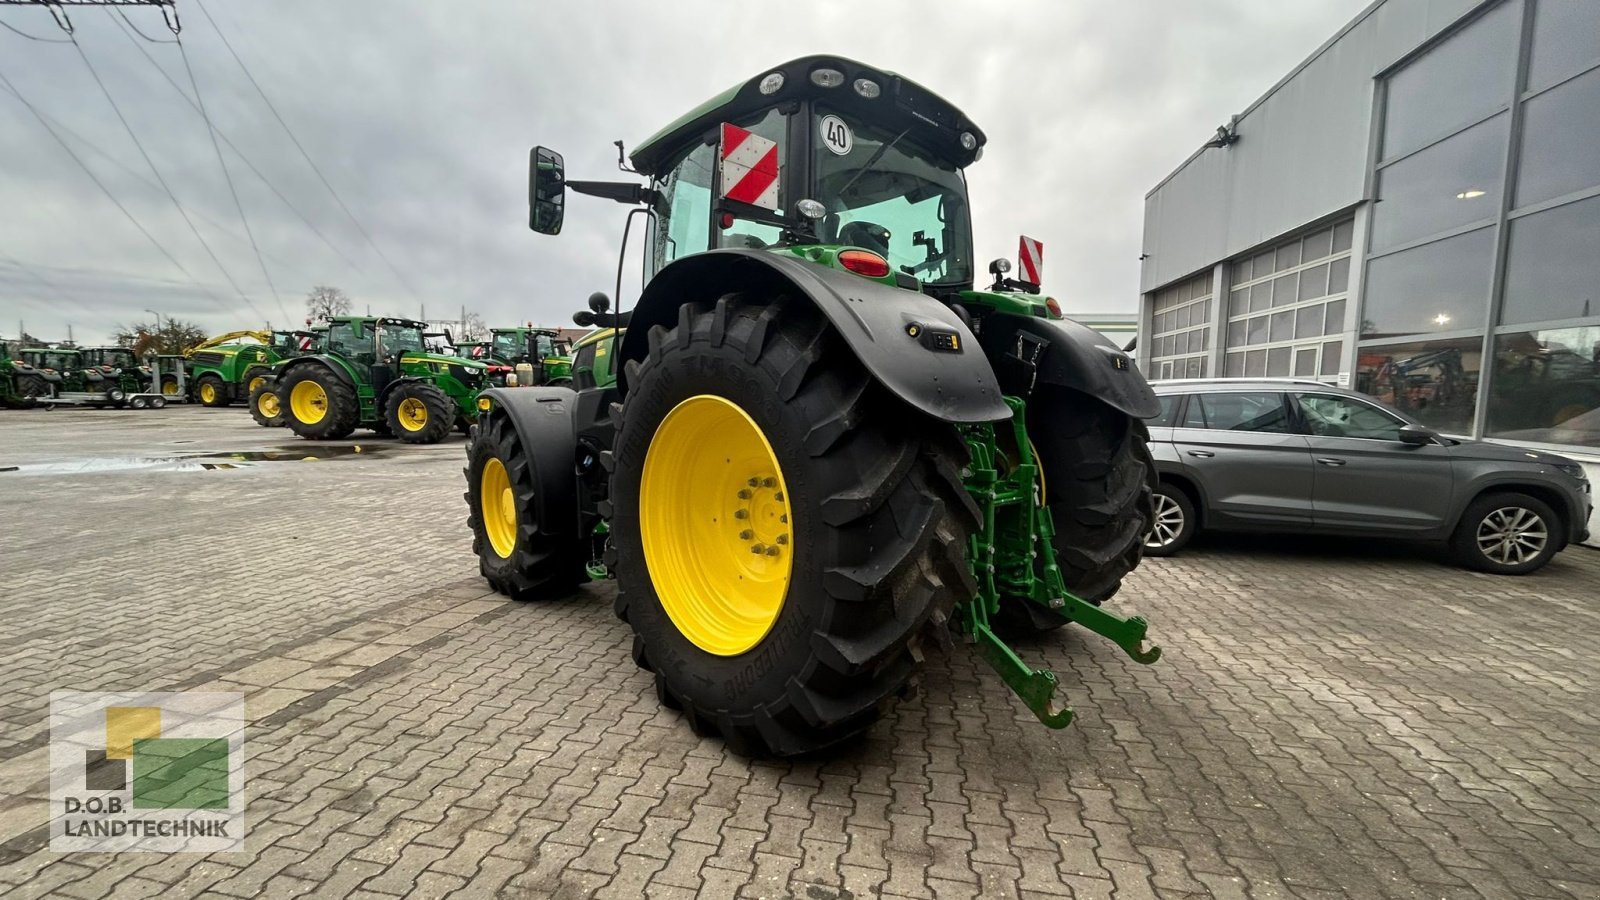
758, 549
746, 535
741, 514
744, 493
772, 551
783, 539
754, 482
769, 482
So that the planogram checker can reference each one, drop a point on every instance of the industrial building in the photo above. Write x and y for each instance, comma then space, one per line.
1414, 211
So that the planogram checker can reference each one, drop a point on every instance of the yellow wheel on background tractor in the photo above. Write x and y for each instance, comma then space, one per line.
499, 508
269, 406
208, 394
412, 414
169, 387
716, 525
308, 402
255, 382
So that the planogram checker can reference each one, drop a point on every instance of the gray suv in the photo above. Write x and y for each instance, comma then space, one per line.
1302, 456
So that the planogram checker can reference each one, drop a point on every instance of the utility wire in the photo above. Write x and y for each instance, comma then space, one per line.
124, 17
27, 270
246, 160
166, 187
33, 37
102, 186
217, 148
309, 161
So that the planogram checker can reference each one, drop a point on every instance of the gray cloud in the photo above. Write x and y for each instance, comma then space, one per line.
421, 115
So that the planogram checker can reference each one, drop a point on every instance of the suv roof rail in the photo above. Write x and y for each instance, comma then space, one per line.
1241, 380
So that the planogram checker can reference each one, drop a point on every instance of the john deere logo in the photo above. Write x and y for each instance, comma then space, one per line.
153, 771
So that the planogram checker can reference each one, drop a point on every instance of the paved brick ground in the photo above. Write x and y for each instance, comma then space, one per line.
1327, 721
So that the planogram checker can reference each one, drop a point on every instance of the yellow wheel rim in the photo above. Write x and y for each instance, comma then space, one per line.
499, 508
413, 414
309, 402
268, 405
254, 382
717, 526
208, 393
170, 388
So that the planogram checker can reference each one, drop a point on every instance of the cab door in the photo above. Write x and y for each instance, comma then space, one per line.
1243, 451
1366, 478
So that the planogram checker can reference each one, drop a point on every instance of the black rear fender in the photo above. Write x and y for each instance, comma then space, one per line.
891, 331
1030, 351
545, 420
338, 370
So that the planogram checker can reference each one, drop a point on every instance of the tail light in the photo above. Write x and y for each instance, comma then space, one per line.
1054, 307
865, 263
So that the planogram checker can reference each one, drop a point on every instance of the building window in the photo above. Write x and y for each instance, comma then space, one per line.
1566, 39
1463, 80
1546, 386
1435, 288
1284, 304
1560, 134
1453, 183
1435, 381
1553, 266
1180, 333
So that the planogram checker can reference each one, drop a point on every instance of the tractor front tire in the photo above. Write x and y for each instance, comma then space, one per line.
419, 413
1099, 486
785, 531
265, 406
517, 558
211, 391
317, 404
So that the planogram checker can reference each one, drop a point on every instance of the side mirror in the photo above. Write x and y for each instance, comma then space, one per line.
1417, 434
547, 190
599, 302
583, 317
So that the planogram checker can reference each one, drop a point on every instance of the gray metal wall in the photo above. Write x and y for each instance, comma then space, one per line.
1302, 149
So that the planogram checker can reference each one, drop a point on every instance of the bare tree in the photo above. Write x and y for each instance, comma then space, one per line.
473, 328
174, 336
325, 300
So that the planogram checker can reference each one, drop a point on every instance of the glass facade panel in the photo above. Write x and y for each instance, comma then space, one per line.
1553, 267
1331, 351
1181, 328
1278, 362
1561, 141
1448, 185
1566, 37
1466, 77
1435, 381
1305, 362
1442, 286
1546, 386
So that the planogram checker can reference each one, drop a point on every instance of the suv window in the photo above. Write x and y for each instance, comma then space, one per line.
1347, 417
1169, 411
1238, 411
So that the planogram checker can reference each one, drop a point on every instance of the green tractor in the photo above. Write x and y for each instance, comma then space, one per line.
226, 369
814, 441
543, 350
70, 381
22, 385
375, 373
120, 366
263, 398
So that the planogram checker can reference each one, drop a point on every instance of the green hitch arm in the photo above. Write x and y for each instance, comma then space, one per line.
1035, 687
1129, 633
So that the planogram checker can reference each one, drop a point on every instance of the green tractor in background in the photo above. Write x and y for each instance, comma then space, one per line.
224, 369
263, 398
815, 440
22, 385
375, 373
121, 366
546, 353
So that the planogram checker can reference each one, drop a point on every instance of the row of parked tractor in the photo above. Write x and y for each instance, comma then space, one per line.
390, 375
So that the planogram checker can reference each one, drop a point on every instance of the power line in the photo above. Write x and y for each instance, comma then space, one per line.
164, 186
246, 160
124, 17
211, 131
54, 288
307, 156
33, 37
101, 185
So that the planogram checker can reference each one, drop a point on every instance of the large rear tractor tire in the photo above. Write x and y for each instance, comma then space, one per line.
317, 404
30, 390
211, 391
1100, 480
514, 555
419, 413
265, 405
784, 530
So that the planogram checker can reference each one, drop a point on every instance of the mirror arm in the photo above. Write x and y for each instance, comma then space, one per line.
620, 191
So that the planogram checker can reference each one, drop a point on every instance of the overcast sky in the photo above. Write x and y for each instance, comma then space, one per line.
420, 114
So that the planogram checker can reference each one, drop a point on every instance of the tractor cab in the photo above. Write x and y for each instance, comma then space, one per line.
119, 365
57, 366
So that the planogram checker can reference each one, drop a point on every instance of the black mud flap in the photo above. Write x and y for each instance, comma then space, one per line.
911, 343
545, 419
1031, 351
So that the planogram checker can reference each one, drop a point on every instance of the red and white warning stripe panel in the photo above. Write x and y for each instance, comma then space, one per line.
305, 343
1030, 254
749, 167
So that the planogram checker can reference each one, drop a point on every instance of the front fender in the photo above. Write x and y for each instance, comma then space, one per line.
875, 320
1064, 353
546, 426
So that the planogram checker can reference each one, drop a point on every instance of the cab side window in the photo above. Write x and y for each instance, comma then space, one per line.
1169, 412
685, 208
1259, 411
1328, 416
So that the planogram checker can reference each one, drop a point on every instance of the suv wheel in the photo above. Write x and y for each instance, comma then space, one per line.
1507, 534
1173, 524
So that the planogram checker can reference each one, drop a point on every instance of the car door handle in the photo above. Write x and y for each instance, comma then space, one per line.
1330, 460
1203, 454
